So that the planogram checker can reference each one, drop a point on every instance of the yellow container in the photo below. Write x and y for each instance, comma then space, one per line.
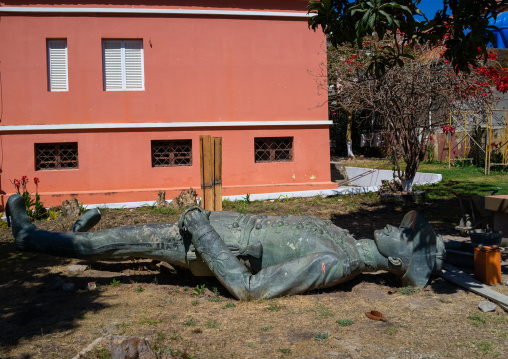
487, 264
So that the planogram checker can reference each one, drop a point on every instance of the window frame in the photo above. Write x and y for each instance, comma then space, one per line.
123, 43
171, 142
272, 151
58, 159
50, 45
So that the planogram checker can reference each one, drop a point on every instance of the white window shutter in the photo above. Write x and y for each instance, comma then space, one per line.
123, 65
113, 68
134, 77
57, 65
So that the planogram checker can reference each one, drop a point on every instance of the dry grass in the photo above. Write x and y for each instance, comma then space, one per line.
168, 306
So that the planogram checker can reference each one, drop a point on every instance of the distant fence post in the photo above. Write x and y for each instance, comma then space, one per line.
210, 153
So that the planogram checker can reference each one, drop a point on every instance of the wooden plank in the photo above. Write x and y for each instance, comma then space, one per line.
207, 172
201, 170
456, 276
217, 174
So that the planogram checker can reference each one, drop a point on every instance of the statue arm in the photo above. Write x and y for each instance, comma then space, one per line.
316, 270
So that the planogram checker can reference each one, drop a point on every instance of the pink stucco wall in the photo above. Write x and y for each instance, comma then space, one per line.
197, 69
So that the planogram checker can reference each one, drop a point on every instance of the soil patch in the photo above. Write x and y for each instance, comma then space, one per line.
161, 303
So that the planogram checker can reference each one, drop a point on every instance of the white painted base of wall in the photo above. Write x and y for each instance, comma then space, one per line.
258, 197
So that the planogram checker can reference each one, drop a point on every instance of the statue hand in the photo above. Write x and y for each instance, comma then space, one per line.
193, 219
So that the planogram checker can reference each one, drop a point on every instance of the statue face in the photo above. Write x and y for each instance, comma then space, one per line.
395, 243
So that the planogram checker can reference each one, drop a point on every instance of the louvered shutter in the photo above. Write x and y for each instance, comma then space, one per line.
123, 65
134, 65
113, 68
57, 65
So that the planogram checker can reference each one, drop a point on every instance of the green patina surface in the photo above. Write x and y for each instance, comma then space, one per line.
253, 256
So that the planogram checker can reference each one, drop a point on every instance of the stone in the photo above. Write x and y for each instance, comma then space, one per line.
123, 347
486, 306
57, 283
161, 200
68, 287
185, 199
71, 208
77, 268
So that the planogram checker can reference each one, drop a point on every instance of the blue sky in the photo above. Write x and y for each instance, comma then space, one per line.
429, 7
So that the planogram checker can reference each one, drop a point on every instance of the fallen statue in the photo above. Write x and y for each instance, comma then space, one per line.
253, 256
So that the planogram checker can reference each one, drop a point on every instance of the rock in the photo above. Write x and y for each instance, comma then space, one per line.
185, 199
486, 306
57, 283
123, 347
161, 200
68, 287
164, 266
77, 268
71, 208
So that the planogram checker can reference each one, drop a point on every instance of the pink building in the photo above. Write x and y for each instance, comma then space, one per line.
106, 102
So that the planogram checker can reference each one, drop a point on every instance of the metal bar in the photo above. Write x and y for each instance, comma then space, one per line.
455, 275
449, 143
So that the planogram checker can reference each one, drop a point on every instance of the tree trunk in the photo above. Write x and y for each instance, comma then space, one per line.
349, 131
407, 184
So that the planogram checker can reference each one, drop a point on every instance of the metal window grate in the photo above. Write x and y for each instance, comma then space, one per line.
273, 149
56, 156
171, 153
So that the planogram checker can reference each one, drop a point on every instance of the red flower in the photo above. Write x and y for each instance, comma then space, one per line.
448, 129
36, 180
430, 138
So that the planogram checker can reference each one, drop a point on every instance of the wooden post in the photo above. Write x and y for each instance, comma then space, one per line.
217, 174
210, 152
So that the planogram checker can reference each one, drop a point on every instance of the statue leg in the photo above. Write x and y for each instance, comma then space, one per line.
310, 271
155, 241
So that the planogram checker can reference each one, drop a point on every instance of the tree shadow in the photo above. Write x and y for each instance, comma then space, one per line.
31, 306
443, 215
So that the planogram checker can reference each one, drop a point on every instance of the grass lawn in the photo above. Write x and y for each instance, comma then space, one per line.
465, 180
469, 179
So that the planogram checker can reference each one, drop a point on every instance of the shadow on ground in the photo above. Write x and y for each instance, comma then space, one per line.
32, 307
30, 304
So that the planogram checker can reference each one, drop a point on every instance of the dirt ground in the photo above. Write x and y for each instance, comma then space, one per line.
170, 308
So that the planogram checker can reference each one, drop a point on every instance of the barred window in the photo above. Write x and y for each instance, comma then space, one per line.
56, 156
273, 149
171, 153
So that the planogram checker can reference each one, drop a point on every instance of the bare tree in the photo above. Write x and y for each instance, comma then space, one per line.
410, 102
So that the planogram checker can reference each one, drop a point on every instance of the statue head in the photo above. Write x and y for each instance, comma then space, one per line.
413, 250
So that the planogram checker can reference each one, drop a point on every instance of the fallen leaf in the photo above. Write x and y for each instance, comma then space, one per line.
375, 315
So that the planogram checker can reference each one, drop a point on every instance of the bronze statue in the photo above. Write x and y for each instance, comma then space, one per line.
253, 256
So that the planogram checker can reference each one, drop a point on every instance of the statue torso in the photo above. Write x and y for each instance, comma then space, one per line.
282, 238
